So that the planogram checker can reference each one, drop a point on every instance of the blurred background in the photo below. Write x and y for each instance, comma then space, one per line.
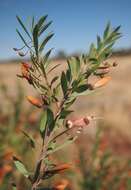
75, 24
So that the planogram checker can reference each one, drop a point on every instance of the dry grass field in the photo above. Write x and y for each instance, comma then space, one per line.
113, 102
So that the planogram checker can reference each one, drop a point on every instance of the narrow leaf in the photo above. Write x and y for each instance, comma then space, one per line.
32, 142
64, 83
43, 122
53, 68
23, 26
45, 41
35, 38
22, 38
20, 166
54, 80
46, 57
45, 27
41, 21
107, 30
63, 145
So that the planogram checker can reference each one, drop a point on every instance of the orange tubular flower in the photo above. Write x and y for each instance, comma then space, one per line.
61, 185
34, 101
101, 82
60, 168
25, 72
26, 65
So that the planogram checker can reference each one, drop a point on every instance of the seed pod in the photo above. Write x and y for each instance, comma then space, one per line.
34, 101
101, 82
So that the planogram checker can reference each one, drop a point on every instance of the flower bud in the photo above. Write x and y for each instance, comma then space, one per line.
15, 49
114, 64
101, 82
25, 72
61, 168
21, 54
102, 71
27, 66
34, 101
80, 122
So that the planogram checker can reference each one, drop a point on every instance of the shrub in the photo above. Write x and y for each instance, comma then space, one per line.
56, 94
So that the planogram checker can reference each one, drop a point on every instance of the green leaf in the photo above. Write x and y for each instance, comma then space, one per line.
65, 113
50, 116
69, 102
44, 27
41, 21
32, 24
107, 30
85, 93
64, 83
20, 166
81, 88
53, 68
32, 142
68, 75
45, 41
74, 66
43, 122
35, 39
23, 26
54, 80
99, 43
92, 51
63, 145
22, 38
46, 57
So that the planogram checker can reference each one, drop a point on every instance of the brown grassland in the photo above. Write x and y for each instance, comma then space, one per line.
112, 102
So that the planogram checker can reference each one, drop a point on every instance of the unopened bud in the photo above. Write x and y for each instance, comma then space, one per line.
104, 71
61, 168
21, 54
15, 49
101, 82
27, 66
34, 101
114, 64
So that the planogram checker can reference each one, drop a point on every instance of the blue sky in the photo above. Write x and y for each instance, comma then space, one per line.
75, 22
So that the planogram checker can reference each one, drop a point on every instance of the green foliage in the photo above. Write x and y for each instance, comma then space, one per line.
61, 91
20, 166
